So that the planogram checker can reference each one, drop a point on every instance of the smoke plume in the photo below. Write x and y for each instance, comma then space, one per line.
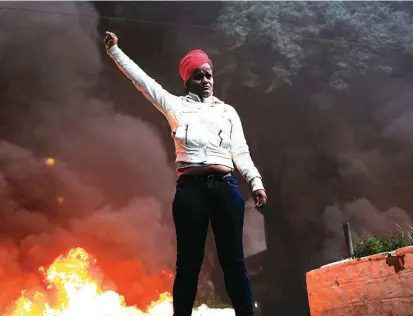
365, 218
73, 171
326, 99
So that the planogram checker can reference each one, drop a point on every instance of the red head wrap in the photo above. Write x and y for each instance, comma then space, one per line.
194, 59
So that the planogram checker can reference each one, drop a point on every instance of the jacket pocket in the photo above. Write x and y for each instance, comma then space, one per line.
220, 137
223, 139
187, 136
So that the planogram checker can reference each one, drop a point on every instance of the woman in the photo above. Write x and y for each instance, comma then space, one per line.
208, 138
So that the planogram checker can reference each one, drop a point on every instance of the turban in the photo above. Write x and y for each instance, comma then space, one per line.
193, 60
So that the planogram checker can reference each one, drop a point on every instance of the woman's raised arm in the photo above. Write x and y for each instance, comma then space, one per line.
164, 101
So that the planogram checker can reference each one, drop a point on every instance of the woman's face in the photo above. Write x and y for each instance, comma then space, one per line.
201, 82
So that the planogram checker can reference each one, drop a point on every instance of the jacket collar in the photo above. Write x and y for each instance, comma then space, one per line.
213, 101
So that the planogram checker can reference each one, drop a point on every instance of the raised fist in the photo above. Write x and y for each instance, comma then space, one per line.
110, 40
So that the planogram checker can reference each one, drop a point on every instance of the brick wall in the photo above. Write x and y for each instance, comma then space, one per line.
368, 286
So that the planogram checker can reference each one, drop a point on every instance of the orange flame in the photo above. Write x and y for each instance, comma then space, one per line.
50, 162
74, 288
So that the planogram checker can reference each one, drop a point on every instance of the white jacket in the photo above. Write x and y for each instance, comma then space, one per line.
208, 131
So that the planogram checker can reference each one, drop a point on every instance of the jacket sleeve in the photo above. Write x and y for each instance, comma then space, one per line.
241, 154
165, 102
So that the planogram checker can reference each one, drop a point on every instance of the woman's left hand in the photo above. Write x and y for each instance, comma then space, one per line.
260, 198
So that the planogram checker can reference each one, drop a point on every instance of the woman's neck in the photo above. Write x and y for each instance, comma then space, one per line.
200, 97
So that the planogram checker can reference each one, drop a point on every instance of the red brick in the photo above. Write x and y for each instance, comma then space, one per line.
362, 287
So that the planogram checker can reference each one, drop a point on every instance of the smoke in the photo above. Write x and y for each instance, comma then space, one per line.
338, 144
365, 218
254, 231
336, 115
110, 187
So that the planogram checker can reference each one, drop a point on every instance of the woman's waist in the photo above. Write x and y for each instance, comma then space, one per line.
200, 177
203, 169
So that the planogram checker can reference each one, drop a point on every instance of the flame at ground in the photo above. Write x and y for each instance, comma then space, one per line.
74, 289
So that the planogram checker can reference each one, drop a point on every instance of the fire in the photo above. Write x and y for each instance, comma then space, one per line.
74, 288
50, 162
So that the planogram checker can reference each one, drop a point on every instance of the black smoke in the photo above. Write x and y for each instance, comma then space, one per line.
323, 91
111, 184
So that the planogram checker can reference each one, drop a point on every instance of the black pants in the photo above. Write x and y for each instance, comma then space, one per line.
198, 201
